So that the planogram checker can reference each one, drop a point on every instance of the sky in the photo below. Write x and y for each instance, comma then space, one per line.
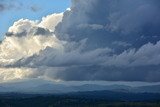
28, 9
80, 40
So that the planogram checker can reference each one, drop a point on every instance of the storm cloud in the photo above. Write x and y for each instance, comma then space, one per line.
134, 22
109, 40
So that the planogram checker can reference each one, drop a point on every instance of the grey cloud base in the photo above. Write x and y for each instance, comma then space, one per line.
110, 73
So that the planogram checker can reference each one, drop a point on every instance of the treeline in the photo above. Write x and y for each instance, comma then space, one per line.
66, 101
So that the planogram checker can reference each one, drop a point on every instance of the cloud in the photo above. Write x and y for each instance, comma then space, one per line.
8, 5
91, 26
147, 55
24, 39
98, 64
124, 21
2, 7
34, 8
51, 21
120, 43
105, 73
57, 58
9, 74
93, 40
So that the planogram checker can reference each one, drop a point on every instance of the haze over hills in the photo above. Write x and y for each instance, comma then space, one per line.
53, 88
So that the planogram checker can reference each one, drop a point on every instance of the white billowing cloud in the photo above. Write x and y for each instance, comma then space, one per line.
9, 74
27, 37
14, 48
51, 21
25, 25
22, 25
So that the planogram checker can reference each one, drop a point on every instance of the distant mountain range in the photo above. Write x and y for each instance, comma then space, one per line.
60, 88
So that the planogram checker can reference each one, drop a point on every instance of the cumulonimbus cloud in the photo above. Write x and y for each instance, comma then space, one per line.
93, 40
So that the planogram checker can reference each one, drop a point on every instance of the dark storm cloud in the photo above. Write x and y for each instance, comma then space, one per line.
125, 25
125, 21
